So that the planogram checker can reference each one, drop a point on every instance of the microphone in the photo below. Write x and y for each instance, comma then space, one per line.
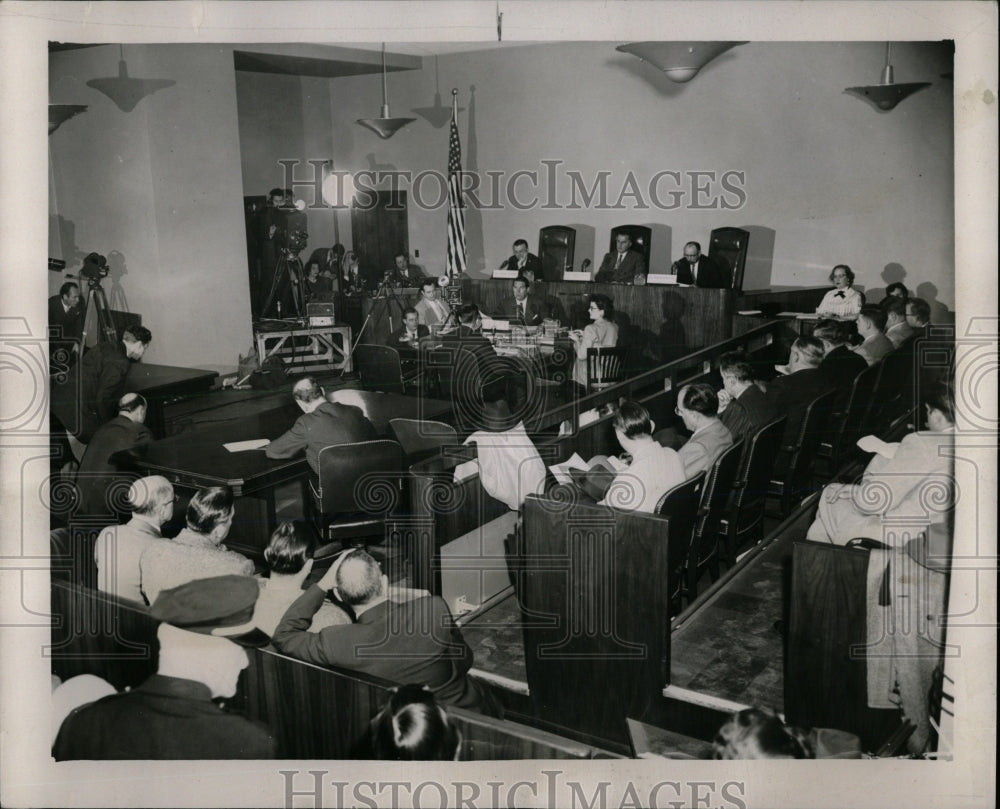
586, 263
503, 266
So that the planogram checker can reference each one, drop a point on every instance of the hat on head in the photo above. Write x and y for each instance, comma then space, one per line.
221, 606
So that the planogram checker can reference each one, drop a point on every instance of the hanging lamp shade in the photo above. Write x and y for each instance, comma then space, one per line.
385, 126
887, 94
61, 113
125, 91
680, 61
438, 115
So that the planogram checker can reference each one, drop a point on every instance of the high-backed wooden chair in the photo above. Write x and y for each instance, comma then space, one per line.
380, 368
360, 488
793, 470
848, 425
556, 247
640, 235
743, 524
715, 495
605, 366
727, 247
681, 505
420, 439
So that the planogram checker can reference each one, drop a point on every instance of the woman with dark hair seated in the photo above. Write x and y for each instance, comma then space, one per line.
843, 300
753, 734
413, 727
897, 289
602, 332
289, 558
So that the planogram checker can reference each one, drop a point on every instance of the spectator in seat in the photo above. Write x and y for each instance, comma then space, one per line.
897, 329
120, 547
802, 382
197, 551
897, 289
653, 470
412, 641
918, 315
871, 326
895, 483
743, 407
98, 478
840, 365
698, 406
289, 558
171, 715
413, 727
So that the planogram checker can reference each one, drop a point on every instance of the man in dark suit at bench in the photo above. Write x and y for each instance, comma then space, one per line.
413, 641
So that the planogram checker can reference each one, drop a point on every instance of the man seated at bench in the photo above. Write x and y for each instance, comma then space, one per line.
412, 726
653, 470
171, 715
120, 547
413, 641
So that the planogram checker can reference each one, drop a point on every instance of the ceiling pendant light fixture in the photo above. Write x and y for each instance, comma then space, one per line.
680, 61
61, 113
385, 126
438, 115
125, 91
886, 95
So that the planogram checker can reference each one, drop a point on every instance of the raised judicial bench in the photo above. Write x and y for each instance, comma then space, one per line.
443, 511
315, 713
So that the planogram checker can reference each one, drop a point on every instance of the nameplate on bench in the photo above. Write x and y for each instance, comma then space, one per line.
661, 278
506, 273
576, 276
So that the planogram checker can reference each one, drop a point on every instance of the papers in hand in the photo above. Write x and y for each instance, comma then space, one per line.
870, 443
242, 446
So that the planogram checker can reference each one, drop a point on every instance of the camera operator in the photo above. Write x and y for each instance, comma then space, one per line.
66, 314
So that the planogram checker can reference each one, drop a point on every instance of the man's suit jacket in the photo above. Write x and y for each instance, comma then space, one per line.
710, 274
747, 414
164, 718
117, 553
841, 367
410, 642
900, 333
97, 472
400, 336
100, 379
68, 322
790, 396
534, 311
633, 264
704, 447
428, 316
411, 280
325, 426
875, 348
532, 264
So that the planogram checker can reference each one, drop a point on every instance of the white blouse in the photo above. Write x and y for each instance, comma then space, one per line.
840, 302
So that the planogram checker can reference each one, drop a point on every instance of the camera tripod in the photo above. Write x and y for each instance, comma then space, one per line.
105, 325
386, 291
289, 264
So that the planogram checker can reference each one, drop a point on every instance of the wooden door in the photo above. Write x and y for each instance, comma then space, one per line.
380, 230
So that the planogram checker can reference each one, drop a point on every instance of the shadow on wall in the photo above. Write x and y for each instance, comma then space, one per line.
760, 257
940, 314
117, 270
586, 241
892, 273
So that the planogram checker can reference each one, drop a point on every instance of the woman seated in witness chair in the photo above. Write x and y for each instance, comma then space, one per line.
601, 333
843, 300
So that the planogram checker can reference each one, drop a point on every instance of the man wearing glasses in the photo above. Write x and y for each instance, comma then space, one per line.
695, 269
623, 265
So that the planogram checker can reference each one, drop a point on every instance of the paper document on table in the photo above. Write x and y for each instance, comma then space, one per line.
242, 446
807, 316
561, 470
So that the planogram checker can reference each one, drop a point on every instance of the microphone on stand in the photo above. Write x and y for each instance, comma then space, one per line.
503, 266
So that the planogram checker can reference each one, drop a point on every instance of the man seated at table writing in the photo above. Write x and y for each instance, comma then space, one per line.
322, 424
409, 334
697, 269
413, 641
526, 264
196, 552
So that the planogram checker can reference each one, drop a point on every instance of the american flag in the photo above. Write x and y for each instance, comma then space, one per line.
456, 213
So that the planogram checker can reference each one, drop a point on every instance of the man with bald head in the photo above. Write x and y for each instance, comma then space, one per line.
323, 424
98, 474
119, 547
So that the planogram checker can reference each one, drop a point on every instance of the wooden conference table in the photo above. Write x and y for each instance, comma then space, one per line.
196, 458
163, 384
